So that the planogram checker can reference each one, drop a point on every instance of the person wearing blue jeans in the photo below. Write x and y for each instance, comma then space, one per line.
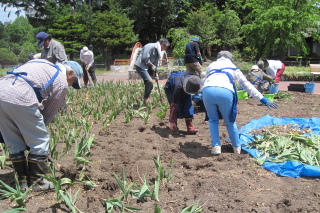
220, 98
147, 63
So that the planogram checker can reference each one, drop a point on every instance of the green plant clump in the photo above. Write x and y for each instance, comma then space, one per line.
290, 147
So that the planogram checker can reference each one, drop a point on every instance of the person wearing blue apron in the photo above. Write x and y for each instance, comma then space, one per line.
220, 98
178, 90
30, 97
257, 77
192, 57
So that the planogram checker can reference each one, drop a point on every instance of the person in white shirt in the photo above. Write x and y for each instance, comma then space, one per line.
220, 98
274, 68
87, 58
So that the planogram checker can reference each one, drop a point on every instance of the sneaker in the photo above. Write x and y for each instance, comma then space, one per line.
216, 150
237, 150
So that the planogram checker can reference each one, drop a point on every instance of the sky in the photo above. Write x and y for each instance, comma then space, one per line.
4, 15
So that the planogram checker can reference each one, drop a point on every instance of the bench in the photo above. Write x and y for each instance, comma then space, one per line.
314, 70
121, 62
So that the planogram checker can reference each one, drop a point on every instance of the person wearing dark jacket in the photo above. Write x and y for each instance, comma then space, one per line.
178, 89
192, 58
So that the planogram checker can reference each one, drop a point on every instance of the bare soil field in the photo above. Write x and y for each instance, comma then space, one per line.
224, 183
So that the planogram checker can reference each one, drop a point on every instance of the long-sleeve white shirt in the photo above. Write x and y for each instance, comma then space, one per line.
274, 65
222, 80
87, 57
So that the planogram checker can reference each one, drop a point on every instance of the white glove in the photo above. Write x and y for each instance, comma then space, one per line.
153, 68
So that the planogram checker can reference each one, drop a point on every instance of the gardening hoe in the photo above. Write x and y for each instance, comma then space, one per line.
157, 81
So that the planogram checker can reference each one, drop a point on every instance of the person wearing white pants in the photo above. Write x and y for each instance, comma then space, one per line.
220, 98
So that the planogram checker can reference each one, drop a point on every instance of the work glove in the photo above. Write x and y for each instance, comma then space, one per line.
88, 67
174, 117
153, 68
156, 76
268, 103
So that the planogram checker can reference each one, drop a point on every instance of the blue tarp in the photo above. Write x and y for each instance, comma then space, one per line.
289, 168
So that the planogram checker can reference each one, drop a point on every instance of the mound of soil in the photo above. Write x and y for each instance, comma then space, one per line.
224, 183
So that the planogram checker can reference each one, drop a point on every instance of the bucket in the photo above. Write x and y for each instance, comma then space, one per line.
310, 87
269, 96
273, 88
242, 95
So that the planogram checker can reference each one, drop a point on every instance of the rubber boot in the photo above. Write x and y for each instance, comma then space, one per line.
20, 166
37, 165
190, 129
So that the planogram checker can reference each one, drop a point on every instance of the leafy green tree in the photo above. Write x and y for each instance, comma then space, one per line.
204, 24
110, 31
229, 26
19, 32
180, 37
7, 57
71, 30
275, 25
153, 18
27, 48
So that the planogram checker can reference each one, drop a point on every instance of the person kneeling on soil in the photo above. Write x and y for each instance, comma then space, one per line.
30, 97
220, 98
257, 77
178, 89
274, 68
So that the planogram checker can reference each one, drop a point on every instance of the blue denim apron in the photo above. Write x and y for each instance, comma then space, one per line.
234, 111
193, 52
185, 109
36, 89
255, 82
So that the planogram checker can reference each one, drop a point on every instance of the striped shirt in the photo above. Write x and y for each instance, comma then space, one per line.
38, 74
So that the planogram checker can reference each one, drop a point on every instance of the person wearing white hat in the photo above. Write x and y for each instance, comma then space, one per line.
257, 77
87, 58
31, 96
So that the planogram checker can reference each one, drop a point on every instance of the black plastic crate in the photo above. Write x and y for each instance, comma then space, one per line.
296, 87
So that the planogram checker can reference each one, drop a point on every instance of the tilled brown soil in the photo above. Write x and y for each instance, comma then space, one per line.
225, 183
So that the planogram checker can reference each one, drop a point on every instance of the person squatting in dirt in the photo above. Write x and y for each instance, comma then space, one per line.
178, 90
31, 96
220, 98
87, 59
274, 68
148, 59
192, 57
258, 78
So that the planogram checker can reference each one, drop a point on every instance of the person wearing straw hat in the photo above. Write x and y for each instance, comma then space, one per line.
178, 89
220, 99
31, 96
87, 58
274, 68
257, 77
192, 58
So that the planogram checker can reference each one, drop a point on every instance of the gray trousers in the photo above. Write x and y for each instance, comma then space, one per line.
23, 127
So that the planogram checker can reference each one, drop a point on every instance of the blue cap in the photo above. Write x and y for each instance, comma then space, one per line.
78, 69
41, 37
195, 39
